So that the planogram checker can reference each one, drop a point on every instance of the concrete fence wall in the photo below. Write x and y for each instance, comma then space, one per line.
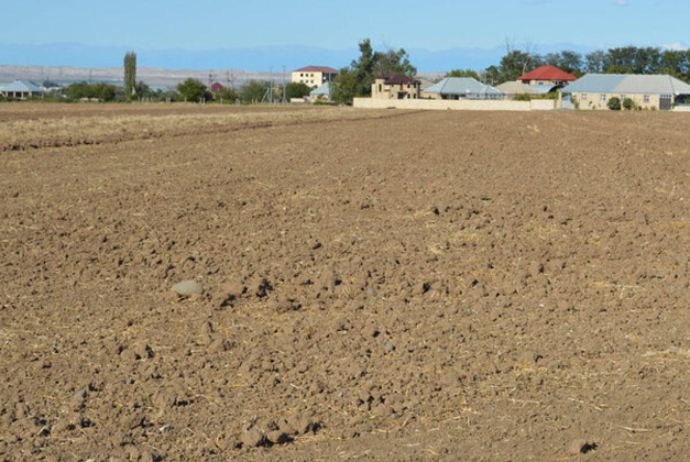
543, 104
439, 104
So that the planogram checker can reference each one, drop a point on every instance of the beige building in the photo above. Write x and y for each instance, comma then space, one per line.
21, 89
661, 92
395, 86
314, 76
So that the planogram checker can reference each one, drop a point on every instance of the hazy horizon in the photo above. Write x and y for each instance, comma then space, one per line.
268, 34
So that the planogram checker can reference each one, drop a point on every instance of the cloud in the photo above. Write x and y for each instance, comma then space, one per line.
621, 2
675, 46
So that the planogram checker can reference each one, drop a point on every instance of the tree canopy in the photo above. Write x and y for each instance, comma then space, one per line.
356, 80
462, 73
193, 90
100, 91
621, 60
296, 90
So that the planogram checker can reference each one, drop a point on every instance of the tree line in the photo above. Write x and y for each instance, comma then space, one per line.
621, 60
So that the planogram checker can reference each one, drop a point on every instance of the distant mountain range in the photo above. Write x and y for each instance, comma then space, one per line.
261, 59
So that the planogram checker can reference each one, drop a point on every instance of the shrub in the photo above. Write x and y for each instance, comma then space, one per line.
614, 104
522, 97
629, 104
193, 90
101, 91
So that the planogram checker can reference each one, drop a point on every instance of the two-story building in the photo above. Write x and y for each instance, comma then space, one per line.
395, 86
314, 76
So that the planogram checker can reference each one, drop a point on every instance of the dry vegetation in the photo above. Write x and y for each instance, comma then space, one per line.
28, 128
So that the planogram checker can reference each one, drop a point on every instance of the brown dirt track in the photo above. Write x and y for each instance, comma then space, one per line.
378, 286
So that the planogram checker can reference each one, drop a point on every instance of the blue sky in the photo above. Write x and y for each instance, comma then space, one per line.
341, 24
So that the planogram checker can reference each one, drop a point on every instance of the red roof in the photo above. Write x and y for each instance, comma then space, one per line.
323, 69
217, 87
547, 73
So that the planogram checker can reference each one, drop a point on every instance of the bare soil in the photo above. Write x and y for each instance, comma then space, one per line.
376, 286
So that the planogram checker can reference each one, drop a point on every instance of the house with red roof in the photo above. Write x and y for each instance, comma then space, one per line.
395, 86
314, 76
217, 87
547, 75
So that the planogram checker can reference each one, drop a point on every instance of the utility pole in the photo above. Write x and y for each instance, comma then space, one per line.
284, 91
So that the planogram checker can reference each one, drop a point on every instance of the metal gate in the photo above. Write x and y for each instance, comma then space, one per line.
665, 102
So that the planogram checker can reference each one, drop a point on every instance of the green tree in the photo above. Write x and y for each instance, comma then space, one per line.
77, 91
296, 90
356, 81
130, 65
254, 91
594, 62
394, 62
101, 91
142, 90
345, 86
463, 73
492, 75
229, 95
570, 61
193, 90
614, 103
516, 62
674, 63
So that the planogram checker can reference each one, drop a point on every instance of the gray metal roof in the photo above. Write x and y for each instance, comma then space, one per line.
628, 84
22, 86
543, 89
517, 88
324, 89
461, 86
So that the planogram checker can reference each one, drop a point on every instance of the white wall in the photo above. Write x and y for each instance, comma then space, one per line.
439, 104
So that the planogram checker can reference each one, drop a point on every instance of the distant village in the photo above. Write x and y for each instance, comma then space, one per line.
396, 84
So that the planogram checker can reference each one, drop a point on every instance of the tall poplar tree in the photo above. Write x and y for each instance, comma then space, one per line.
130, 75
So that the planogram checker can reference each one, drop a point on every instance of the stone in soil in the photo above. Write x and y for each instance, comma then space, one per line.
188, 288
253, 438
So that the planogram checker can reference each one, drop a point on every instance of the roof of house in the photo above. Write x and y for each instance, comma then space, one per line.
543, 89
217, 86
425, 83
517, 88
22, 86
324, 89
547, 73
322, 69
397, 79
628, 84
461, 86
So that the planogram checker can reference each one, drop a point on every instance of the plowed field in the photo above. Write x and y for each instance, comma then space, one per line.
376, 285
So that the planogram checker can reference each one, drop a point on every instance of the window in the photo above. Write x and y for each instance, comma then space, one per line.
584, 97
622, 97
603, 98
646, 98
